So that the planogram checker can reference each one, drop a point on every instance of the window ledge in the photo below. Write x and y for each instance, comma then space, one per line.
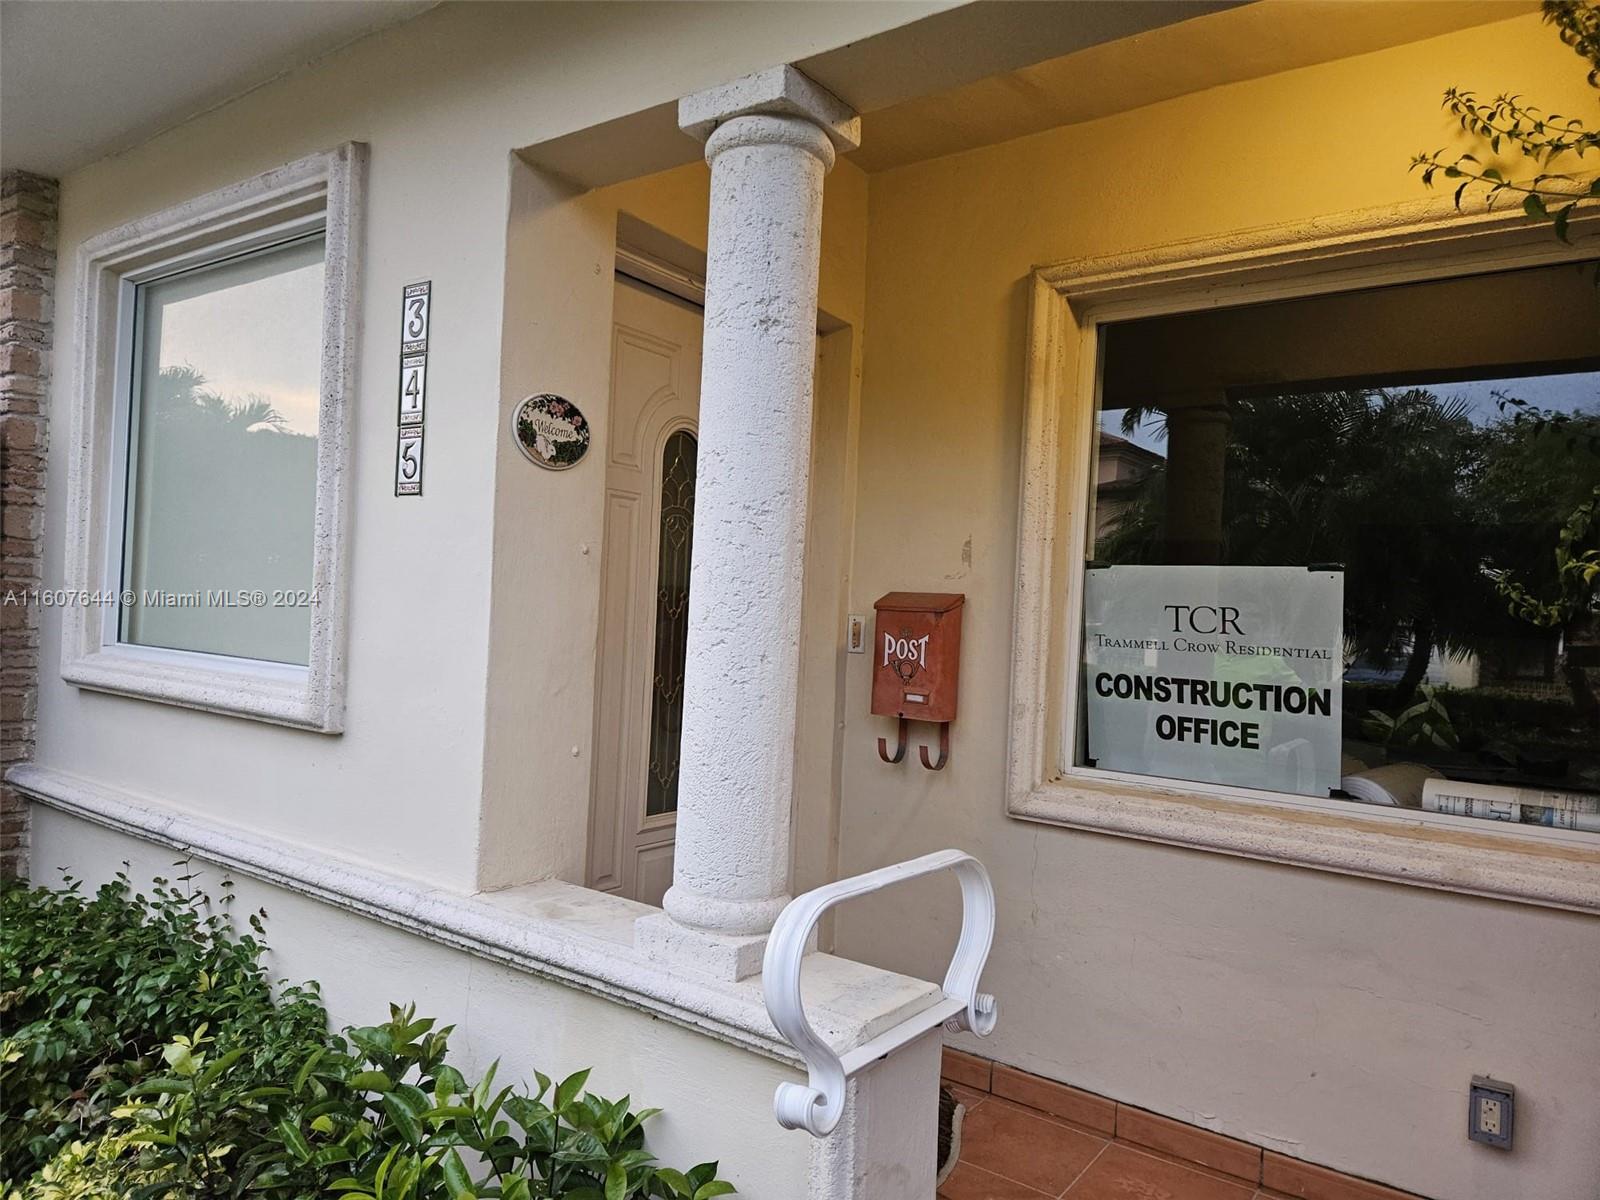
1384, 844
276, 692
573, 935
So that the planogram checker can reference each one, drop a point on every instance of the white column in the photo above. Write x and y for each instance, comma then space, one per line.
770, 140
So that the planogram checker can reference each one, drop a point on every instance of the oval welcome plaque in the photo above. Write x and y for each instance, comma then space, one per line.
550, 430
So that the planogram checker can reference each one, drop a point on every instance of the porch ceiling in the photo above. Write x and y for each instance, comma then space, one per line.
927, 54
84, 78
978, 74
1201, 47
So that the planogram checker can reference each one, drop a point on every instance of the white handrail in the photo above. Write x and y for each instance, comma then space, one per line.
817, 1107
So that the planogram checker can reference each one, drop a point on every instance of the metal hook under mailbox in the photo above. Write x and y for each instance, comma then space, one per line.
900, 747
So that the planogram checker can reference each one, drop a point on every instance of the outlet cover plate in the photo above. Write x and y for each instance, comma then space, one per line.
1486, 1098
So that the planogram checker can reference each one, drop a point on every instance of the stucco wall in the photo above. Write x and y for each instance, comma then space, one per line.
560, 249
443, 101
1327, 1017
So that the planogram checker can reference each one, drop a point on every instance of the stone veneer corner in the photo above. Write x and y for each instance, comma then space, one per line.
28, 206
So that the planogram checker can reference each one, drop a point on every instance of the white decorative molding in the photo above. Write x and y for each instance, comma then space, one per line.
1069, 302
817, 1105
781, 91
1420, 240
659, 273
555, 930
322, 192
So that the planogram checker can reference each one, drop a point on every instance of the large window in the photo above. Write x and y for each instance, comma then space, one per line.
222, 456
206, 535
1338, 549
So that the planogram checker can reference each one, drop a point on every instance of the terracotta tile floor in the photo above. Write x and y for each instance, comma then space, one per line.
1010, 1152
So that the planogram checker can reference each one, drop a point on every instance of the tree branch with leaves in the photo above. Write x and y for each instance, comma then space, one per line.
1509, 129
1575, 607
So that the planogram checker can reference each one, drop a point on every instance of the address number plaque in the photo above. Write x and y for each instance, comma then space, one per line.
415, 310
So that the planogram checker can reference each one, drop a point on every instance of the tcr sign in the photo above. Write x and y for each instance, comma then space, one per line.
1203, 618
1216, 674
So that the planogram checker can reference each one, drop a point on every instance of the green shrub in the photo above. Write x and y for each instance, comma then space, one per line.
1480, 715
102, 1169
1425, 724
380, 1115
92, 989
239, 1094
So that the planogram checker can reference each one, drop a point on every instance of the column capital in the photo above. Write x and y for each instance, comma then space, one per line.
780, 91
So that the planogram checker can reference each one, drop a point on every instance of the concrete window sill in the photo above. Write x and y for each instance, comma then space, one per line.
1397, 845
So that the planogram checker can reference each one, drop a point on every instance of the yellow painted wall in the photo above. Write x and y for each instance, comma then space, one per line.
1331, 1018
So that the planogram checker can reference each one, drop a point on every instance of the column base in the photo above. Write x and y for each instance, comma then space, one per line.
725, 957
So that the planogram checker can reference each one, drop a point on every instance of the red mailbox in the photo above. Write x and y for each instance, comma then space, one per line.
916, 665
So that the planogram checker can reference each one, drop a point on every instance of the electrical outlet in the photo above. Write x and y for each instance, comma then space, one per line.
1491, 1109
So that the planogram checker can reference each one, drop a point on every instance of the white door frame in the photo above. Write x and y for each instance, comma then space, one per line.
622, 836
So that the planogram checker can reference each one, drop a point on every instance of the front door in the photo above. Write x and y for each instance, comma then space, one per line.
644, 615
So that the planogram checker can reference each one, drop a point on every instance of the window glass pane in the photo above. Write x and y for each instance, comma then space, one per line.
1327, 544
222, 457
672, 621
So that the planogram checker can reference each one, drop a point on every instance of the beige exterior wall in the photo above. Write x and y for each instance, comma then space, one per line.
1331, 1018
471, 618
443, 101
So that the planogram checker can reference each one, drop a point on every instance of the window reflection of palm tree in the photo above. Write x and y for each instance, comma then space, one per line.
1399, 486
181, 395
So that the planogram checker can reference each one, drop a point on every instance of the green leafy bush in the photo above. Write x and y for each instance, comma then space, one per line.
1481, 717
92, 989
1425, 724
380, 1115
258, 1098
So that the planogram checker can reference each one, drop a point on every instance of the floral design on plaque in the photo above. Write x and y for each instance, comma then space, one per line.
551, 431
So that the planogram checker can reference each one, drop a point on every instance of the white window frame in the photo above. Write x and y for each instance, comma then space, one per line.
1069, 304
320, 194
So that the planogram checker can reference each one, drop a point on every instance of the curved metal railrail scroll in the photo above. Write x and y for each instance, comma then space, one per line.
816, 1106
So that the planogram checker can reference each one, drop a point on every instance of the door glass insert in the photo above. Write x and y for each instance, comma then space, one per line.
672, 620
